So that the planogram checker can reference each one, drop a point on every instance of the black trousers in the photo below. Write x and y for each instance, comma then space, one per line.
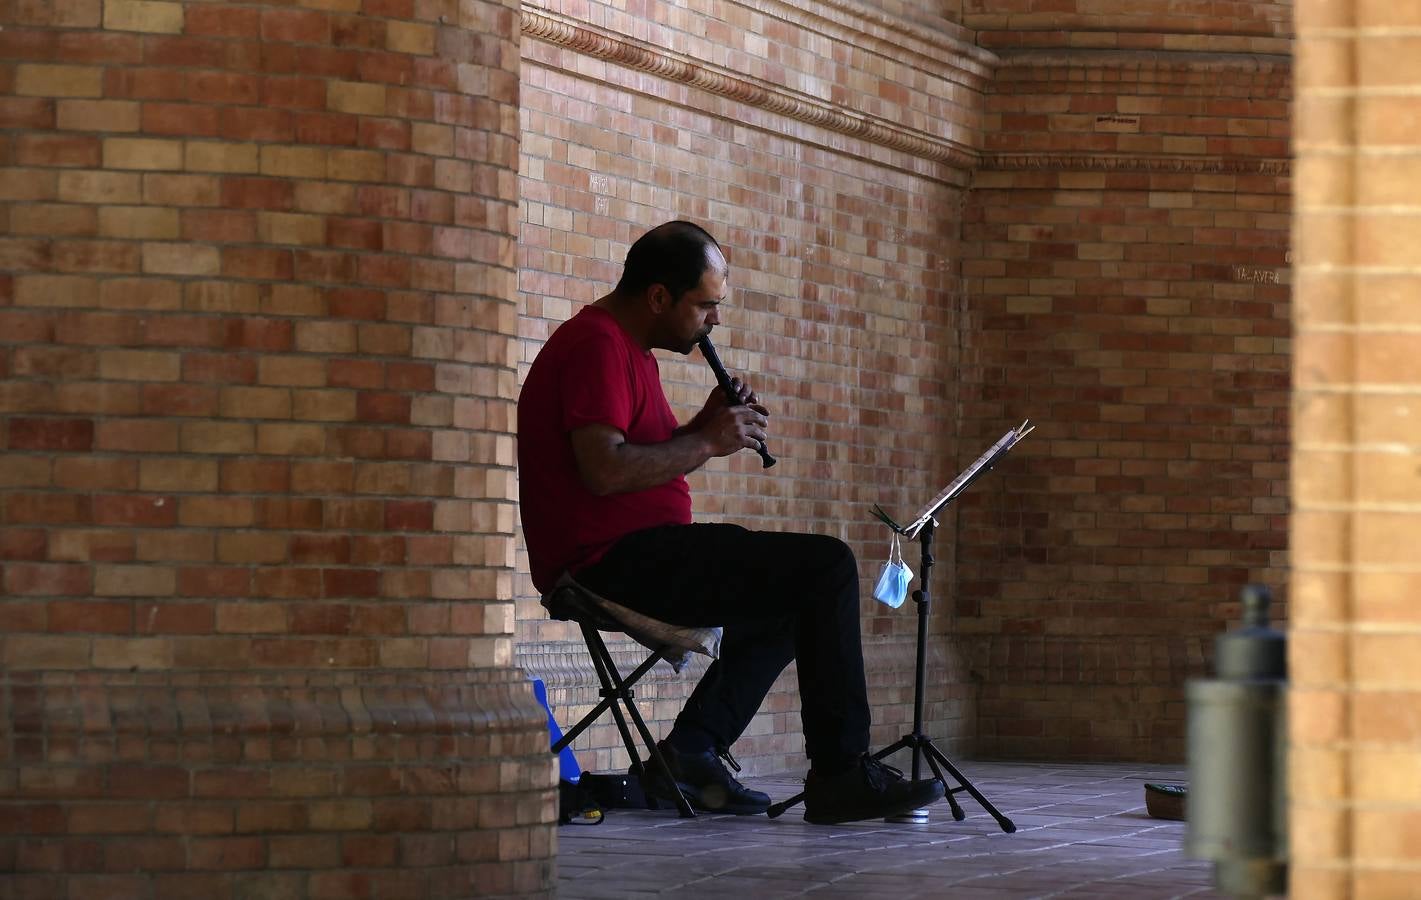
779, 597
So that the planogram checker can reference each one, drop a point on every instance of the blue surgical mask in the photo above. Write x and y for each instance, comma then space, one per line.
893, 581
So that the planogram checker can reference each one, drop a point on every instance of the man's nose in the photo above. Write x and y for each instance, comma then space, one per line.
714, 317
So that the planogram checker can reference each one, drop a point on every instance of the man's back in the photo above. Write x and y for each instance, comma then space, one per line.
590, 372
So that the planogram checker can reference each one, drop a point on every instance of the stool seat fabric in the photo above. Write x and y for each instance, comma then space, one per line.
570, 601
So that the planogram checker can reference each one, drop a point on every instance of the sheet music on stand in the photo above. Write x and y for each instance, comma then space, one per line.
959, 484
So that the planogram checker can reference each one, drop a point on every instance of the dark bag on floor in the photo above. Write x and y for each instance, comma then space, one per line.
614, 790
576, 805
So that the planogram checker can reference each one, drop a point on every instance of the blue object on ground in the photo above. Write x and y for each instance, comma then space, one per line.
568, 769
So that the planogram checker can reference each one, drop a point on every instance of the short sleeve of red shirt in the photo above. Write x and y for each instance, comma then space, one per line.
596, 385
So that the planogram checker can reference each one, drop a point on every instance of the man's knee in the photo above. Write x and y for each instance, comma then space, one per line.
836, 562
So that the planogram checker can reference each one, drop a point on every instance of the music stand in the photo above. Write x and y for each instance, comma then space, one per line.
923, 526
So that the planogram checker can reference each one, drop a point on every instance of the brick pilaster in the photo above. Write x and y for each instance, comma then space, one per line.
1356, 634
257, 340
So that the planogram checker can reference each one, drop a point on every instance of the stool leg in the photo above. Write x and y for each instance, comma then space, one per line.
609, 699
606, 668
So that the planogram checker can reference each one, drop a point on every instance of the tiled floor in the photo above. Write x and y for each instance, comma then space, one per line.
1082, 832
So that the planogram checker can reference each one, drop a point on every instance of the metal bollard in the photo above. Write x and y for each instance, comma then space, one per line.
1237, 814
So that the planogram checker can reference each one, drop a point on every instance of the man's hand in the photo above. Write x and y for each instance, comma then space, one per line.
733, 428
717, 402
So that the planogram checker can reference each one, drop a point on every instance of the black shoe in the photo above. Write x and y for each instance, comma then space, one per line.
869, 790
704, 781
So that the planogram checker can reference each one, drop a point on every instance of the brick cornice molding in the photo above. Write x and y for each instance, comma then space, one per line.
1058, 40
1163, 61
675, 67
1190, 165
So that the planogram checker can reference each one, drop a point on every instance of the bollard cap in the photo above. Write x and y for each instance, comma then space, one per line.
1256, 650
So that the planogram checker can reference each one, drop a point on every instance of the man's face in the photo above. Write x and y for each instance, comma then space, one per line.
687, 320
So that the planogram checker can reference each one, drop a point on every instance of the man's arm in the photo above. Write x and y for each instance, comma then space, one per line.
609, 464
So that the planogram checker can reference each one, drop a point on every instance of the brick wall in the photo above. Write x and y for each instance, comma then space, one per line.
1116, 270
1356, 634
1126, 276
843, 245
257, 334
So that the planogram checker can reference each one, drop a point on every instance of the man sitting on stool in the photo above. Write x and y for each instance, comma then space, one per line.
603, 496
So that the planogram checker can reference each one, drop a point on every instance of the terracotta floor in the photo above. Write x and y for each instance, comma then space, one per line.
1082, 832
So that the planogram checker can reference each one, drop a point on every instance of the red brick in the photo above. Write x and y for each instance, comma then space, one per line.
356, 303
376, 550
225, 88
48, 509
136, 436
410, 445
257, 124
359, 234
51, 434
384, 134
409, 515
383, 202
383, 407
177, 618
88, 473
258, 262
350, 583
219, 368
361, 443
31, 579
334, 129
287, 583
358, 31
273, 335
257, 477
143, 510
290, 513
25, 255
186, 52
219, 226
318, 266
20, 328
214, 582
257, 193
78, 151
102, 329
179, 400
96, 617
143, 84
32, 544
27, 112
222, 21
226, 854
408, 237
188, 119
417, 377
305, 548
95, 256
295, 26
183, 331
293, 92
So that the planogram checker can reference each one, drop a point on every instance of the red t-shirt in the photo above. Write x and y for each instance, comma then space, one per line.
589, 372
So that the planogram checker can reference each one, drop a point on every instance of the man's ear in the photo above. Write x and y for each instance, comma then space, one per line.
658, 298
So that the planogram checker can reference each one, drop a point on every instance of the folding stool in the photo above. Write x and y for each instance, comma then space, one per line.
569, 601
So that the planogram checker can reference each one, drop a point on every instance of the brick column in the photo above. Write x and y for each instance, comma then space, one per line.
257, 340
1356, 637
